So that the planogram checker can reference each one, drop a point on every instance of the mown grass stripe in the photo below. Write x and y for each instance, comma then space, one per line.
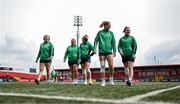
133, 99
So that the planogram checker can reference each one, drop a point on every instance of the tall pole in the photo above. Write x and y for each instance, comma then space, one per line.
155, 60
77, 22
78, 35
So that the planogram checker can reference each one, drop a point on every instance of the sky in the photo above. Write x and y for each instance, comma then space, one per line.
155, 24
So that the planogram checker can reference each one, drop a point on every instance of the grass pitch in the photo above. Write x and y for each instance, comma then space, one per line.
119, 91
169, 96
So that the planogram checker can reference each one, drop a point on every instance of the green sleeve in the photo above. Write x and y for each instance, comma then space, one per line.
66, 54
134, 46
119, 45
114, 43
96, 41
39, 53
52, 51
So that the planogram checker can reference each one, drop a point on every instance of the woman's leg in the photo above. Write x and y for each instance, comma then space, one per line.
75, 72
84, 73
111, 68
102, 60
87, 67
48, 69
72, 74
126, 70
41, 68
131, 71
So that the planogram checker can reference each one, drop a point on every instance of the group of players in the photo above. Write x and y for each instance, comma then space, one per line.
76, 55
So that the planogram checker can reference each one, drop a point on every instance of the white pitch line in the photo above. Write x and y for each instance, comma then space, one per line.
137, 98
160, 102
133, 99
61, 97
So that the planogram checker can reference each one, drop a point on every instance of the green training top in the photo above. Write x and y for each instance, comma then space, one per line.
128, 45
72, 52
106, 40
85, 49
46, 51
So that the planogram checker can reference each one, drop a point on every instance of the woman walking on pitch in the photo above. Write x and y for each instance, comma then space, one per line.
85, 54
107, 43
46, 53
72, 52
127, 47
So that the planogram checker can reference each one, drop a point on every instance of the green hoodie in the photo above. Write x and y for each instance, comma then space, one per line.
128, 45
106, 41
85, 49
46, 51
72, 52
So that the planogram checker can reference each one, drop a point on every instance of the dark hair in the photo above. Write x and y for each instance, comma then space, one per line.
125, 28
85, 37
73, 39
45, 36
104, 23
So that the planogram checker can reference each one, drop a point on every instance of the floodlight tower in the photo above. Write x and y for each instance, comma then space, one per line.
78, 22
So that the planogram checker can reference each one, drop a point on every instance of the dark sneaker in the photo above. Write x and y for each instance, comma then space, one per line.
129, 83
37, 82
90, 83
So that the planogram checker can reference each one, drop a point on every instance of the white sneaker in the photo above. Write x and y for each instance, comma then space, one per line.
76, 82
85, 82
103, 83
48, 81
73, 82
111, 81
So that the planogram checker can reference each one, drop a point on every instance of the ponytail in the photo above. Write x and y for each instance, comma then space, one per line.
104, 23
125, 28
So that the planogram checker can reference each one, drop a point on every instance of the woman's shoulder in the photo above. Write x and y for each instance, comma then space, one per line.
69, 47
132, 37
111, 32
100, 31
50, 43
41, 44
82, 43
122, 37
89, 43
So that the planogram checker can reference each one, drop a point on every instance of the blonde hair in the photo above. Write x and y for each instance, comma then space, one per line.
104, 23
